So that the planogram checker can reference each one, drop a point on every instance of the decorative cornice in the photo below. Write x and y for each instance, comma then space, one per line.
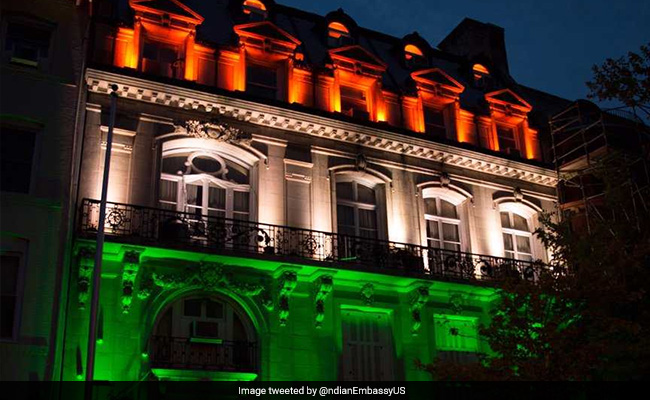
290, 120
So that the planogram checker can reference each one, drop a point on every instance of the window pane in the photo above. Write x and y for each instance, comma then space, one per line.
367, 219
345, 215
432, 230
365, 195
430, 206
217, 213
194, 195
507, 242
16, 154
434, 122
213, 309
505, 220
240, 216
450, 232
240, 201
523, 244
168, 190
262, 81
353, 101
10, 266
507, 143
435, 244
448, 209
452, 246
368, 233
520, 222
174, 165
217, 198
192, 307
344, 191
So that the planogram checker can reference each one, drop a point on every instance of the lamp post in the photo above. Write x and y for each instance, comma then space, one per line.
97, 271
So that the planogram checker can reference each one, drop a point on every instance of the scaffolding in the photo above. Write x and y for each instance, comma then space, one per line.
590, 144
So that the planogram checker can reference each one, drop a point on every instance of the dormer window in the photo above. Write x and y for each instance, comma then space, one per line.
353, 102
413, 56
507, 140
338, 35
434, 122
162, 59
262, 81
255, 9
481, 75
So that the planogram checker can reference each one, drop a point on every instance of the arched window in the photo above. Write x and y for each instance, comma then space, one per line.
442, 224
338, 34
356, 209
204, 183
205, 331
481, 75
255, 9
413, 56
516, 236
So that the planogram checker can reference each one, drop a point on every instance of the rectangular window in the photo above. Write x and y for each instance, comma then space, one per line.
17, 152
12, 264
367, 353
434, 122
507, 141
456, 333
262, 81
353, 102
27, 44
9, 294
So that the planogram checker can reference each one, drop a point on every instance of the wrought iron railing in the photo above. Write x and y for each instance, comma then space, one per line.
167, 228
185, 353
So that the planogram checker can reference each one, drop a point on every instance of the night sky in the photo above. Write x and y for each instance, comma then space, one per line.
551, 44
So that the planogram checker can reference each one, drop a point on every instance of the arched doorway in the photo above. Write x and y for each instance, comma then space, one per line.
204, 336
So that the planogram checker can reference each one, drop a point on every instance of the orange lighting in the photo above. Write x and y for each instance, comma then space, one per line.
480, 69
411, 51
337, 29
248, 4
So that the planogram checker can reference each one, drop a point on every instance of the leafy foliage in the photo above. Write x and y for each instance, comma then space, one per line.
626, 79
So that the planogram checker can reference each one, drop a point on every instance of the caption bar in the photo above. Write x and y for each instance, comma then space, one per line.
323, 391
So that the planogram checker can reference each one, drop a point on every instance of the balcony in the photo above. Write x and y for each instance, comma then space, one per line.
139, 225
190, 353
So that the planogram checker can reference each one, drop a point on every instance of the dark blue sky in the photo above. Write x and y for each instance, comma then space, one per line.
551, 44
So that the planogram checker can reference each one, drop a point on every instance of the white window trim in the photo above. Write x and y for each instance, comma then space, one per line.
443, 220
516, 232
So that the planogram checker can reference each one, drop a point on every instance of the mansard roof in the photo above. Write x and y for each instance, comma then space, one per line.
310, 30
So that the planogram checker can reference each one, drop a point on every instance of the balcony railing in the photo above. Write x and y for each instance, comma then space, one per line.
185, 353
165, 228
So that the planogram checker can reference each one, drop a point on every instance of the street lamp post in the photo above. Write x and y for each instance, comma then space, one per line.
97, 271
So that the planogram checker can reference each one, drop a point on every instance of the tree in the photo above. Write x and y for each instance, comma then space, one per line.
587, 316
626, 80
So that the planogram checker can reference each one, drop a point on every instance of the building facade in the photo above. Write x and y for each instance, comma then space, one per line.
295, 197
40, 73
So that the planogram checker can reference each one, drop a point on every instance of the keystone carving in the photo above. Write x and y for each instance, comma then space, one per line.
368, 294
288, 283
129, 275
212, 130
209, 277
419, 299
323, 289
456, 301
86, 266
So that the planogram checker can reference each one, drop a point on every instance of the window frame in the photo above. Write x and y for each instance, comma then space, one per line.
357, 205
180, 56
16, 247
366, 94
34, 130
513, 233
499, 126
44, 63
338, 37
279, 81
443, 113
441, 220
